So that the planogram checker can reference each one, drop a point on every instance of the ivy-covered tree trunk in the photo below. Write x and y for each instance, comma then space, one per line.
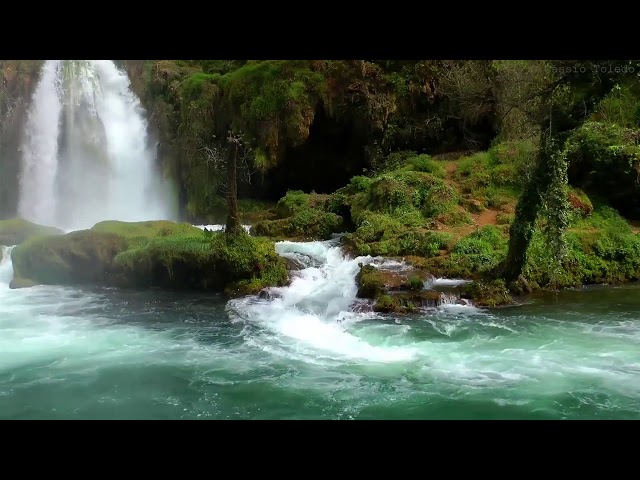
233, 226
527, 211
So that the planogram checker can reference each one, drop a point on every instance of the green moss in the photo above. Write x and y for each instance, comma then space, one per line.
302, 216
603, 217
387, 304
274, 98
143, 254
82, 257
455, 218
488, 294
393, 161
604, 159
423, 163
373, 282
18, 230
398, 192
602, 248
476, 253
252, 264
393, 212
380, 234
609, 145
137, 233
370, 282
238, 264
416, 283
406, 302
496, 176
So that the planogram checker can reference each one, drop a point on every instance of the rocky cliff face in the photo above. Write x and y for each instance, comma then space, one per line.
19, 78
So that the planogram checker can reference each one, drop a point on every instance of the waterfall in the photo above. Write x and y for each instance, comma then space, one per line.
40, 149
85, 154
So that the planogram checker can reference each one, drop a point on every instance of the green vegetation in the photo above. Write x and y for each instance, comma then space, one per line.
145, 254
518, 174
488, 294
301, 216
18, 230
496, 177
397, 292
82, 257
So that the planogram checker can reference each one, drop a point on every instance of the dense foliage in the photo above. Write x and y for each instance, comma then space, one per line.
522, 170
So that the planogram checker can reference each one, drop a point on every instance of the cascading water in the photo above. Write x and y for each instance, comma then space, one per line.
86, 154
6, 267
316, 314
40, 149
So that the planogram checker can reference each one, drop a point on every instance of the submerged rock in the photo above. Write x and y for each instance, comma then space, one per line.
407, 302
294, 264
373, 282
151, 254
396, 290
362, 307
268, 294
488, 294
18, 230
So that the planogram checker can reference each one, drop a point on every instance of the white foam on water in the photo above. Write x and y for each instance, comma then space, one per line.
219, 227
313, 314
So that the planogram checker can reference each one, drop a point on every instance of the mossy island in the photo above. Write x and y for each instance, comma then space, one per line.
150, 254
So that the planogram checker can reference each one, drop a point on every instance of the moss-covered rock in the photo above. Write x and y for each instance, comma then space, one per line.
487, 294
406, 302
402, 211
301, 217
16, 231
18, 282
398, 291
373, 282
151, 254
236, 265
82, 257
370, 281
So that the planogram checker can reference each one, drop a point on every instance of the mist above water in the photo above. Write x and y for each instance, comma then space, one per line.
86, 154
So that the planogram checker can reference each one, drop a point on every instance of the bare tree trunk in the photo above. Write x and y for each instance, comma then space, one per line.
233, 226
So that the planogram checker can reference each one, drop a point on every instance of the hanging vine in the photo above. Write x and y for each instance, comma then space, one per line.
556, 206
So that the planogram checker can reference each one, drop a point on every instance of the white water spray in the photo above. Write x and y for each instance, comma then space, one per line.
6, 267
40, 148
86, 154
313, 317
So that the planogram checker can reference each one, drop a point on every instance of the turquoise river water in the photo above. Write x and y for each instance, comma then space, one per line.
307, 353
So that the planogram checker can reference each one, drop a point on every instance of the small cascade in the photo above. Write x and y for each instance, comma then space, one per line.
447, 298
6, 266
436, 293
219, 228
